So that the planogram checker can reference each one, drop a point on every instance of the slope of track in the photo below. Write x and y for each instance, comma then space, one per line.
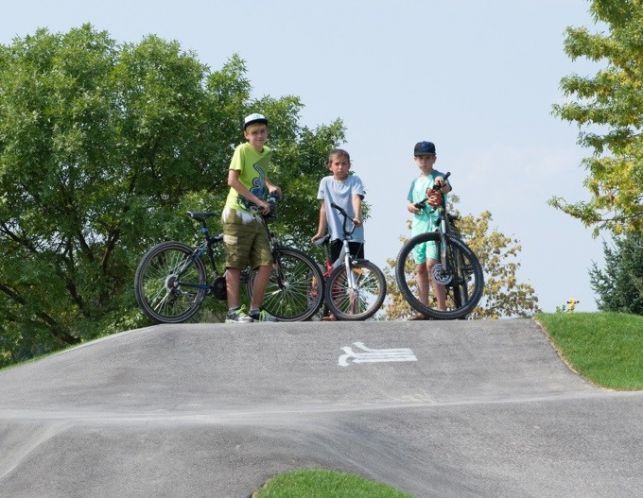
479, 409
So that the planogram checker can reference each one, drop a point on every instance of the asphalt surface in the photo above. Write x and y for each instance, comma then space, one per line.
444, 409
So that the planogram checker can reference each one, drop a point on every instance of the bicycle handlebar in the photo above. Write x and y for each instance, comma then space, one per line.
435, 188
343, 212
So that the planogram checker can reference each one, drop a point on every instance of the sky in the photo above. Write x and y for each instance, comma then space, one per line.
477, 78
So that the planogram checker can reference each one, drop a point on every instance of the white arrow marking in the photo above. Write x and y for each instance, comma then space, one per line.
374, 355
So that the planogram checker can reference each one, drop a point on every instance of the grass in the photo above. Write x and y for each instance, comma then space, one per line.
606, 348
325, 484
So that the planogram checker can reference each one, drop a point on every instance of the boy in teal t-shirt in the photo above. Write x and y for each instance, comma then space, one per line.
424, 219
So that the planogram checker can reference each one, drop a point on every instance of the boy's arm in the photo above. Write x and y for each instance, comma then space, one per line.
273, 188
235, 183
357, 209
323, 224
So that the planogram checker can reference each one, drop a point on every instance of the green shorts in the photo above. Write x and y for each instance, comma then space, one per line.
245, 240
425, 250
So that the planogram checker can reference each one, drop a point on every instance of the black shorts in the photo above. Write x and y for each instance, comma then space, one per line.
356, 249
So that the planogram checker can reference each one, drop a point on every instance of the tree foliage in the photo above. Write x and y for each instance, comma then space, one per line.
608, 108
504, 295
103, 148
620, 284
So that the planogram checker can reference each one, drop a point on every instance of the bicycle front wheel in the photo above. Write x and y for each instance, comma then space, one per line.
295, 288
360, 302
458, 283
170, 283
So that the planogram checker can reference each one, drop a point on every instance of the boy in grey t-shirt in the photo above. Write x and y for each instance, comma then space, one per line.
347, 191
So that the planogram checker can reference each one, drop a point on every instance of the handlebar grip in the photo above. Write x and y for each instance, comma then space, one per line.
436, 188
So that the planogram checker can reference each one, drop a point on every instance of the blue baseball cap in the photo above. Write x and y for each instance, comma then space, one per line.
424, 149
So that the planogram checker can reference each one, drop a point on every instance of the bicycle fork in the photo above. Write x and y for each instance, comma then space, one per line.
443, 245
350, 277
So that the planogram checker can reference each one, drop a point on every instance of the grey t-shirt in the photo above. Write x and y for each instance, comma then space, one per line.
341, 193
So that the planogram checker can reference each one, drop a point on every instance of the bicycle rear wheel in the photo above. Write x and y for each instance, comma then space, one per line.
359, 303
295, 288
170, 283
461, 280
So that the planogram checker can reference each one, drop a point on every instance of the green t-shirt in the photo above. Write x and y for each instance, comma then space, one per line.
252, 167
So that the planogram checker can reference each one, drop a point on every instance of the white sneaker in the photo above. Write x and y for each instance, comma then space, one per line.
238, 316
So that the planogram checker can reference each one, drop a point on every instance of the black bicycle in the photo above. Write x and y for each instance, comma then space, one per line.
355, 288
171, 280
456, 277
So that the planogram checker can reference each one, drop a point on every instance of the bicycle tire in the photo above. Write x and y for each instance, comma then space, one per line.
370, 293
463, 292
295, 288
169, 284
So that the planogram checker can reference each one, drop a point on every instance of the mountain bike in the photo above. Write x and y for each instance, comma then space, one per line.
457, 274
171, 280
355, 288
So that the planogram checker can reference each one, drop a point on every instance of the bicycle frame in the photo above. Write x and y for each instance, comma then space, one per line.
355, 287
204, 248
345, 256
172, 278
442, 226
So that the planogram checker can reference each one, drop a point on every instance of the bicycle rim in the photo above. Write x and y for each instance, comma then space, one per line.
363, 301
462, 279
170, 285
295, 288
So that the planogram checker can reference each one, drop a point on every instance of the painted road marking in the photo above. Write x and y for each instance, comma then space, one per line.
374, 355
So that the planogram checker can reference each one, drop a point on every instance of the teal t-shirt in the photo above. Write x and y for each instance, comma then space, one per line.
252, 167
425, 220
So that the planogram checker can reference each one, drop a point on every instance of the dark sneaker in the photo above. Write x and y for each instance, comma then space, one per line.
262, 316
238, 316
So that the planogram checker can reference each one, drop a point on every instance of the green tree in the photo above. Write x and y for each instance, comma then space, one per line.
620, 284
103, 147
609, 109
504, 295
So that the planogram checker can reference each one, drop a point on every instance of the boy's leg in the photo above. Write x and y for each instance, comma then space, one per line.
421, 276
422, 279
259, 286
261, 259
233, 278
235, 239
235, 313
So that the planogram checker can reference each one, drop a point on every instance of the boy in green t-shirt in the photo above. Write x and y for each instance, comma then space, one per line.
424, 219
244, 235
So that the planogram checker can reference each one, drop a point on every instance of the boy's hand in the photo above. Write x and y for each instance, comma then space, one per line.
357, 221
264, 207
435, 199
317, 236
412, 208
442, 184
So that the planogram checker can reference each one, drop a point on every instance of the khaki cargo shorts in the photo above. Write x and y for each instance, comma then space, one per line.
245, 240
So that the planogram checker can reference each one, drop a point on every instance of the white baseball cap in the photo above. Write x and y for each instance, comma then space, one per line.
254, 118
